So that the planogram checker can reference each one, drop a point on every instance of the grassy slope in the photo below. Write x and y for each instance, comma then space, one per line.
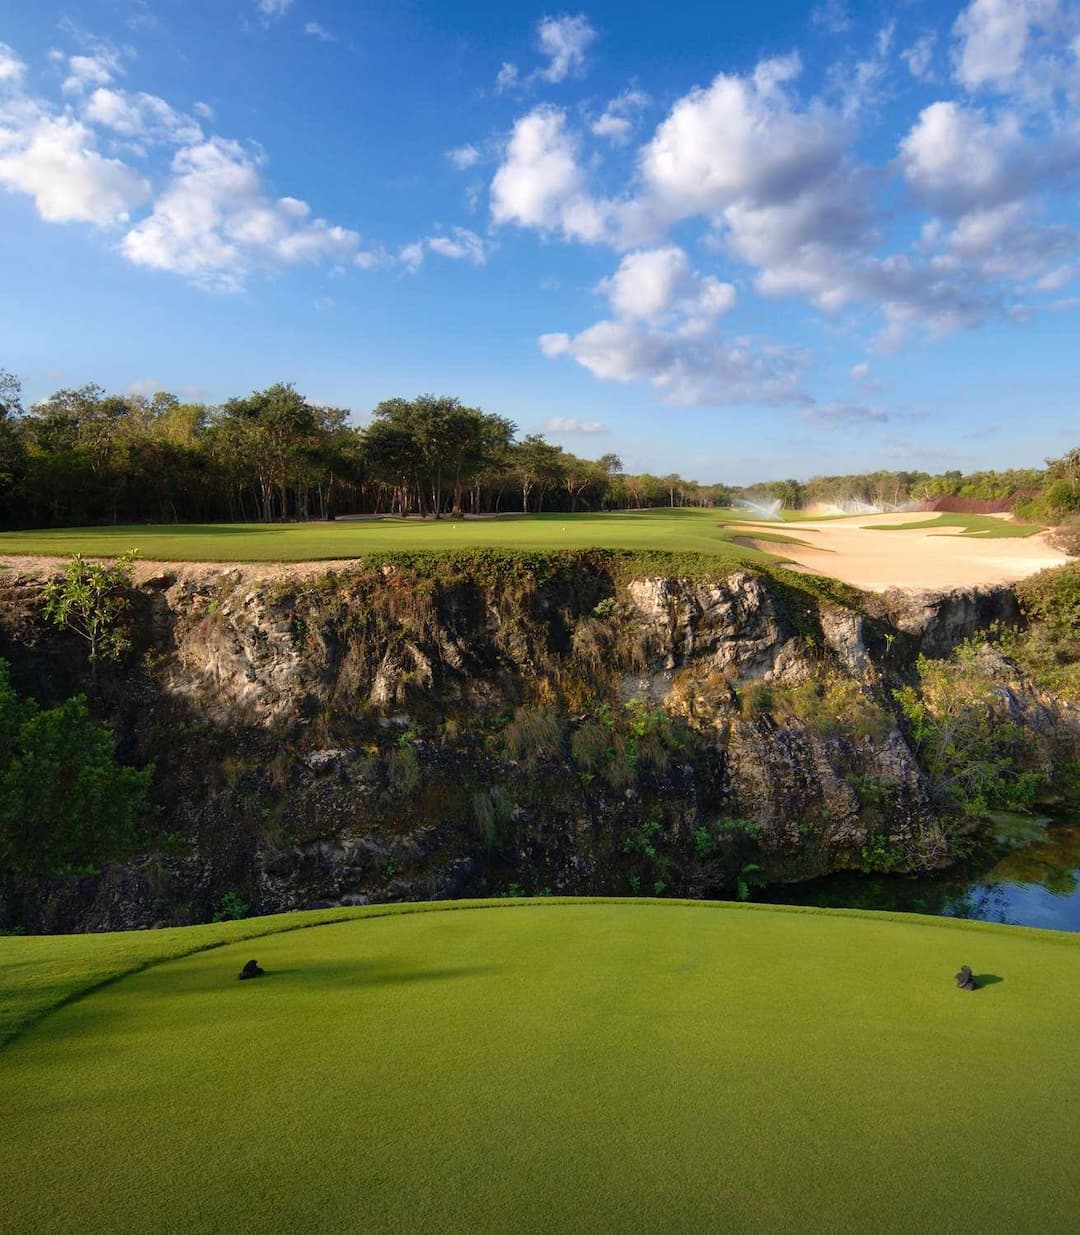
985, 527
41, 972
680, 531
585, 1066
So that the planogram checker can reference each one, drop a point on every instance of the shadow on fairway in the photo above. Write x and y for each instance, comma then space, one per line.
334, 973
986, 979
111, 532
218, 983
306, 977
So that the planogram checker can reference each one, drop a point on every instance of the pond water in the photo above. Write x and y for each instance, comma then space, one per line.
1028, 875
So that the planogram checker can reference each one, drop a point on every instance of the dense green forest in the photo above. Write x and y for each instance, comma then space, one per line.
83, 456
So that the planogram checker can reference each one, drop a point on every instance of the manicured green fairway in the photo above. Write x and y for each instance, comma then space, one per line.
565, 1066
679, 531
986, 527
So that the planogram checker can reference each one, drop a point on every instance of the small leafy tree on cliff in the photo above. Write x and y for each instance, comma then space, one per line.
975, 758
66, 805
93, 599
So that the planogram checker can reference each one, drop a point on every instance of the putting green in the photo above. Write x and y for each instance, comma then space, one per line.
985, 527
675, 531
561, 1067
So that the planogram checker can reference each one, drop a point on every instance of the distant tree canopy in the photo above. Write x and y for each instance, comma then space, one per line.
87, 457
1060, 497
66, 805
1048, 494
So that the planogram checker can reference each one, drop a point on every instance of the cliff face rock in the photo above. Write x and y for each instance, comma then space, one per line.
939, 621
731, 625
396, 732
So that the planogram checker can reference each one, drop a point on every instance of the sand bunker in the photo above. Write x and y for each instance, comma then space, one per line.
852, 550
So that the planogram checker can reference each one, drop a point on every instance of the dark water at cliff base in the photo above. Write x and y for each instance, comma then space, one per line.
1029, 875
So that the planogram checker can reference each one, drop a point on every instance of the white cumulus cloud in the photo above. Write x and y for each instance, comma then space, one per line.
507, 77
694, 370
86, 71
459, 245
654, 283
844, 415
272, 10
663, 332
53, 159
919, 57
316, 31
12, 68
140, 116
540, 183
570, 424
213, 220
993, 36
618, 119
956, 159
564, 41
741, 139
464, 157
216, 224
831, 15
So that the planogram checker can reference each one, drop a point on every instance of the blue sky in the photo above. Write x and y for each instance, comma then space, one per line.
736, 241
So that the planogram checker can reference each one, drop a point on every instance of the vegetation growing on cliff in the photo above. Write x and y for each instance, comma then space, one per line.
425, 724
93, 599
1048, 648
985, 741
66, 805
976, 759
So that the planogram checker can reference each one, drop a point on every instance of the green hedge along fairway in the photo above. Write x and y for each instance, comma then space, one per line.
676, 531
565, 1066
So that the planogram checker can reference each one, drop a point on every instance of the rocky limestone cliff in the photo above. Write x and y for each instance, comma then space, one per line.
573, 723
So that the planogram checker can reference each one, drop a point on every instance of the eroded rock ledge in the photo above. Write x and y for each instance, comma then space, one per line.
580, 722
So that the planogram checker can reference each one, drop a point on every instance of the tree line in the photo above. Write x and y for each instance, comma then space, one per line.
83, 456
1046, 493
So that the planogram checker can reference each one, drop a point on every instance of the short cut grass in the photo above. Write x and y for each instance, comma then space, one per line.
554, 1066
722, 533
984, 527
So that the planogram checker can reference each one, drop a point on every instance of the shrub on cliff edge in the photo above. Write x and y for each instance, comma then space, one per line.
66, 805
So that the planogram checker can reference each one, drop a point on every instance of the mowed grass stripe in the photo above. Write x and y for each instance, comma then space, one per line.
697, 531
561, 1067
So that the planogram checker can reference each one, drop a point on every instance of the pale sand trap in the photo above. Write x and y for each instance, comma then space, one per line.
930, 559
